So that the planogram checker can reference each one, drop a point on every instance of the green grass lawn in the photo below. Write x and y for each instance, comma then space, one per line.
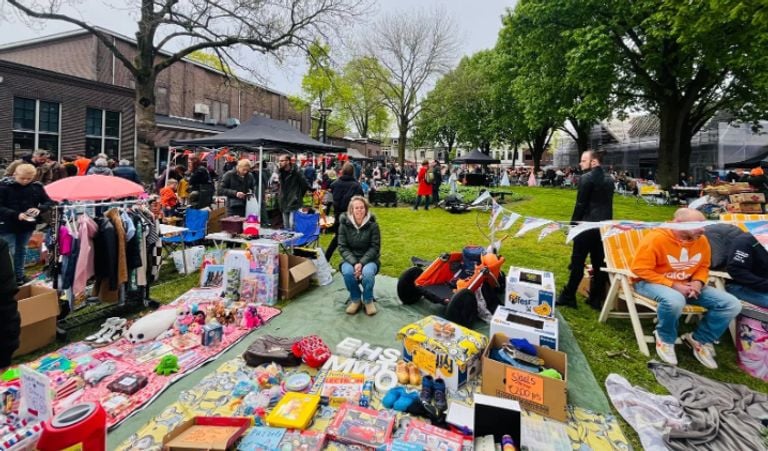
609, 347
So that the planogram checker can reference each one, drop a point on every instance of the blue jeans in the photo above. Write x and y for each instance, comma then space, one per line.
17, 244
353, 285
747, 294
288, 220
721, 307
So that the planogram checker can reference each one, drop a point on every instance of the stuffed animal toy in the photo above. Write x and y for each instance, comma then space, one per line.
184, 317
168, 364
151, 326
251, 317
312, 350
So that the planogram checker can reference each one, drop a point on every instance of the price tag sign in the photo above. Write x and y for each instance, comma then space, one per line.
425, 361
36, 399
524, 385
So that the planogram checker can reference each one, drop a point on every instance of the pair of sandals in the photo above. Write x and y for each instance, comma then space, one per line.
111, 331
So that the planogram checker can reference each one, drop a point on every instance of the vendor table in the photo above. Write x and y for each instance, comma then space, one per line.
686, 192
284, 241
170, 230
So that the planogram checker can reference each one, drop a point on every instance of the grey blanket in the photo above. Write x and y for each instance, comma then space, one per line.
723, 416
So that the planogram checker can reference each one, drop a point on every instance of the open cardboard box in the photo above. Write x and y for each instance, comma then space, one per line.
539, 394
295, 274
38, 307
206, 433
497, 417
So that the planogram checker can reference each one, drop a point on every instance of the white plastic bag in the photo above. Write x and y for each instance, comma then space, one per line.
252, 207
323, 275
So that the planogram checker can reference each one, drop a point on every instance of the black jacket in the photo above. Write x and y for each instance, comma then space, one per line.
438, 176
10, 326
748, 263
720, 237
361, 245
343, 189
199, 177
293, 185
16, 199
594, 202
232, 183
127, 172
105, 253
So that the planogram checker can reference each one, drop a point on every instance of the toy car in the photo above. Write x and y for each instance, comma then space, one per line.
448, 281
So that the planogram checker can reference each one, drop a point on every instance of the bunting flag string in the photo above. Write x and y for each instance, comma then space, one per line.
549, 229
508, 220
495, 211
531, 224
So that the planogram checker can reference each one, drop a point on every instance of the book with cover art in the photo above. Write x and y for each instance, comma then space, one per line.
339, 388
361, 426
262, 439
302, 441
295, 411
432, 438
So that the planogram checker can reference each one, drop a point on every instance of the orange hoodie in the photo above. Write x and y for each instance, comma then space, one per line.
662, 258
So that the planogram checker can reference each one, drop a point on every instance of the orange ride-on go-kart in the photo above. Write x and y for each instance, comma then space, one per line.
448, 281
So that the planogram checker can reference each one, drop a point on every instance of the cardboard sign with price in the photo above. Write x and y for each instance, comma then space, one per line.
425, 361
524, 385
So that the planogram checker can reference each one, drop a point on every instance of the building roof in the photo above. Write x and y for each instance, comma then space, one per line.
132, 41
70, 79
188, 124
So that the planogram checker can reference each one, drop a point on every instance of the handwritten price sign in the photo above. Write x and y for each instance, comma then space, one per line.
524, 385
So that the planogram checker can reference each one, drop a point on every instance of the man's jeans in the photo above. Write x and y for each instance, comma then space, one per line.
288, 220
721, 307
17, 244
353, 285
759, 298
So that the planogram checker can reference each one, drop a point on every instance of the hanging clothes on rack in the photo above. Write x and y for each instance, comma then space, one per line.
111, 266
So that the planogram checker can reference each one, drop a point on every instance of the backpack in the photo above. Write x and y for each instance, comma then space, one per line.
430, 177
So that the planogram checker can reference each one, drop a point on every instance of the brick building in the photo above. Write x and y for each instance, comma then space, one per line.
192, 100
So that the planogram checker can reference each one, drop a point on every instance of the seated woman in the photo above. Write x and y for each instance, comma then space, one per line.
360, 248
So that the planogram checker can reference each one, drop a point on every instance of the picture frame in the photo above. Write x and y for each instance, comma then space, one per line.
212, 276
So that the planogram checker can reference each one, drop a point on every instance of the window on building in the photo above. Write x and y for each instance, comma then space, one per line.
35, 125
161, 100
423, 154
102, 132
219, 111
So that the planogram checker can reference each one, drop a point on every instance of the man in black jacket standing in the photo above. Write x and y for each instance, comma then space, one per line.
594, 202
748, 268
10, 327
437, 180
293, 185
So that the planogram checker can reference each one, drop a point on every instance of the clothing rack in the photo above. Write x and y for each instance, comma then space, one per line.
122, 308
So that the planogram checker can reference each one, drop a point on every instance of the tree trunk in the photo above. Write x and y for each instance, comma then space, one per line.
146, 128
671, 120
684, 158
402, 136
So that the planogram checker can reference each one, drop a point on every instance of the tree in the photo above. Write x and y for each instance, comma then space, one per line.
170, 30
682, 61
535, 43
437, 122
413, 47
360, 96
475, 107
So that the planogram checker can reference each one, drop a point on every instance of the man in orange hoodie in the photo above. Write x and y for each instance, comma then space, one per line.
672, 267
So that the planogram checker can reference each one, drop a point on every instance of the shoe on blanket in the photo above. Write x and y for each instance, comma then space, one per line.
665, 351
701, 351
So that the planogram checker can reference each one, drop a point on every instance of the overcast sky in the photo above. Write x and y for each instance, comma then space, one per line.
478, 21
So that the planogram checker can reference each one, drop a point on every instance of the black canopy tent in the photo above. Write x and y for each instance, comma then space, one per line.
476, 157
757, 160
262, 134
354, 154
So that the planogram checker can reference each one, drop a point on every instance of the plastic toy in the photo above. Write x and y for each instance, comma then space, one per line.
453, 281
312, 350
185, 317
151, 326
168, 364
251, 317
365, 397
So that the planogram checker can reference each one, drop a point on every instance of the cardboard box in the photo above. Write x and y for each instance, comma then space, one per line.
539, 394
295, 275
266, 258
455, 359
38, 307
209, 433
538, 330
745, 207
747, 197
530, 290
497, 417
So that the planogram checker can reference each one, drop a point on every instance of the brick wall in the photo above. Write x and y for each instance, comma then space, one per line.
72, 56
74, 95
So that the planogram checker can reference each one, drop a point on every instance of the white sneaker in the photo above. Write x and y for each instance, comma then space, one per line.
665, 351
702, 352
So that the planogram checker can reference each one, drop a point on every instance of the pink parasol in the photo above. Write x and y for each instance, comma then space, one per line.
92, 187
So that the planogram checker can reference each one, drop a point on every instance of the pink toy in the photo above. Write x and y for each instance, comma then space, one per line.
184, 317
251, 317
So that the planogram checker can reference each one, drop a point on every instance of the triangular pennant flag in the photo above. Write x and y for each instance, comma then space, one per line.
530, 224
580, 228
508, 220
495, 211
483, 197
549, 229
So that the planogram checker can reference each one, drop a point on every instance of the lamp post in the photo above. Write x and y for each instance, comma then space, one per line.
324, 113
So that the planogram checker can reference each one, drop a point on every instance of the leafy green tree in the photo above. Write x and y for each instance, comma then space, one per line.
436, 124
360, 96
682, 61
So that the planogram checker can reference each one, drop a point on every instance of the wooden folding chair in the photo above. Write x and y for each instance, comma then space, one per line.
620, 248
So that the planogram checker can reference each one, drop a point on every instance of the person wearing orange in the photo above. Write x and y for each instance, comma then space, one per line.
672, 268
168, 198
425, 186
82, 163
